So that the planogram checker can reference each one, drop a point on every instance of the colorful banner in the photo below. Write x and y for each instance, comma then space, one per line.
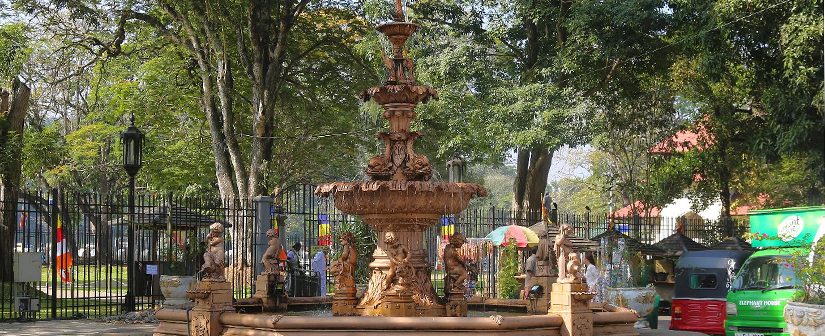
64, 254
324, 231
447, 227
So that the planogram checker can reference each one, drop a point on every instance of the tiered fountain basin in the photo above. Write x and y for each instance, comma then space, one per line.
617, 322
405, 208
374, 199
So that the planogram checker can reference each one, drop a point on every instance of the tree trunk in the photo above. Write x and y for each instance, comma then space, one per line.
520, 183
540, 160
532, 168
11, 139
724, 188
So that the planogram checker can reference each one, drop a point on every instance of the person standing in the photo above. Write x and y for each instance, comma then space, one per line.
591, 273
293, 257
319, 265
529, 271
293, 263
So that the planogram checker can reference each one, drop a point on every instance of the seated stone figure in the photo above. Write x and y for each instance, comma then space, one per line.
213, 258
455, 266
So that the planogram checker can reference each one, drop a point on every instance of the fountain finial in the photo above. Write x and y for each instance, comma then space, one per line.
399, 11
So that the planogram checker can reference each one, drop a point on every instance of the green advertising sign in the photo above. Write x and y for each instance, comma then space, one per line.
787, 227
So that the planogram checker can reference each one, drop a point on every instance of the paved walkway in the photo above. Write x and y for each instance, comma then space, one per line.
74, 327
90, 327
664, 330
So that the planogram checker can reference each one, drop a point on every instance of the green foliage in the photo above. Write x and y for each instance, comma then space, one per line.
15, 50
365, 243
186, 259
808, 268
508, 286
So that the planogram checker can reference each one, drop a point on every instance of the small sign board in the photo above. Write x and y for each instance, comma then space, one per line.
151, 269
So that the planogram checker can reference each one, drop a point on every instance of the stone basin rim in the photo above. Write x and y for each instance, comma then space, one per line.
470, 189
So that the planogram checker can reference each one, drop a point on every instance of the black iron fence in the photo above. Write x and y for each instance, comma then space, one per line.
169, 231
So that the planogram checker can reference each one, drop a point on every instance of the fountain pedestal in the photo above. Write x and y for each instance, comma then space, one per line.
212, 298
571, 301
456, 304
269, 289
343, 304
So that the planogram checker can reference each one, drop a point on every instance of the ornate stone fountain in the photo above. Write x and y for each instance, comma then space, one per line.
399, 201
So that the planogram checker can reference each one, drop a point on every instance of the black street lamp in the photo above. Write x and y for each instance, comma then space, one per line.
132, 141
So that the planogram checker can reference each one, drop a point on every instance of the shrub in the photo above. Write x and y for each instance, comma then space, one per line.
809, 270
508, 286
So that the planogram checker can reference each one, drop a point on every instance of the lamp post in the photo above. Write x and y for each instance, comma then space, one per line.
132, 141
455, 169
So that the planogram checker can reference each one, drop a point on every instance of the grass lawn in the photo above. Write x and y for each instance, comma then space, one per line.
91, 276
66, 307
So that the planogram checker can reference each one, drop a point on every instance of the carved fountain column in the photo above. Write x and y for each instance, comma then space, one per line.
399, 198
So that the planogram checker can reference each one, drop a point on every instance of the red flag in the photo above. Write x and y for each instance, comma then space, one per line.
64, 255
23, 218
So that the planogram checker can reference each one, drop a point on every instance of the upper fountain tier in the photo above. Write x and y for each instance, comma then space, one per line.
400, 178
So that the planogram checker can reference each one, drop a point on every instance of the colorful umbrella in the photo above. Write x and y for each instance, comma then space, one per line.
524, 236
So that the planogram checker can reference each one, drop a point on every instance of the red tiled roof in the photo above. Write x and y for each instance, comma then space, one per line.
627, 211
683, 141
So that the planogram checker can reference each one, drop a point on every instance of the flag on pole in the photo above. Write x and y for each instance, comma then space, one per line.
64, 254
24, 216
324, 231
447, 227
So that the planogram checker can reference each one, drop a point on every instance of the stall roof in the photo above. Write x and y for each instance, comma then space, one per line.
579, 244
155, 218
733, 243
711, 258
677, 243
631, 243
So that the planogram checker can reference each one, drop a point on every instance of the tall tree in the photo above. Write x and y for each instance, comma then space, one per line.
537, 70
754, 69
14, 102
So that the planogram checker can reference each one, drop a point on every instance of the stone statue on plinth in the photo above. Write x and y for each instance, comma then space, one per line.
344, 267
213, 258
563, 248
544, 254
270, 257
456, 277
455, 266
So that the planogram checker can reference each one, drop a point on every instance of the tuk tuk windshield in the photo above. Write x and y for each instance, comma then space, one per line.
766, 273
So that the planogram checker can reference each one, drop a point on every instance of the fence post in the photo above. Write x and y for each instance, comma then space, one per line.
53, 225
263, 219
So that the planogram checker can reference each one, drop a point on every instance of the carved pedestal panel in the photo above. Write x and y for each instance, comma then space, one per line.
539, 304
269, 288
344, 306
456, 304
572, 303
212, 298
408, 283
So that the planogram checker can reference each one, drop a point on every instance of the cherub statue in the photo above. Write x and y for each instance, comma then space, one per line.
400, 270
213, 258
562, 247
344, 267
270, 257
455, 266
574, 268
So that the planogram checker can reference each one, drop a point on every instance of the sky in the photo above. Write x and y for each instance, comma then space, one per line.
567, 162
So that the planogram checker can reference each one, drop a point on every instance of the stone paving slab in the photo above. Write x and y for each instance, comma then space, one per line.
91, 327
74, 327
